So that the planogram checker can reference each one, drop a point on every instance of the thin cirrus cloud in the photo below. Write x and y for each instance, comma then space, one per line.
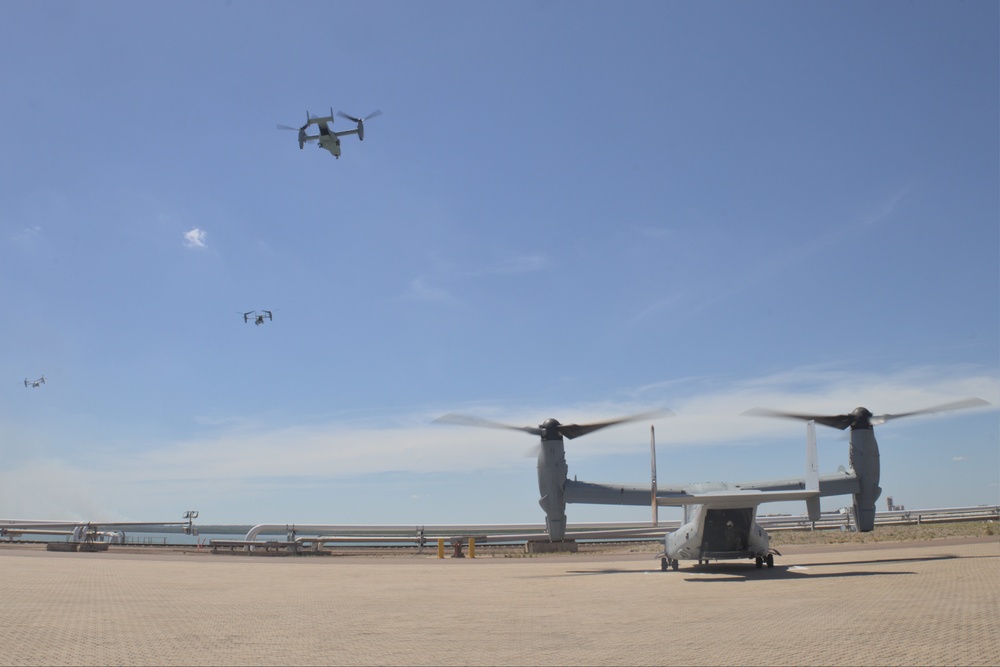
765, 268
240, 454
513, 265
703, 416
421, 289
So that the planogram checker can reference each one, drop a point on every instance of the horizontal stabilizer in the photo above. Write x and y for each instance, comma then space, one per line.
313, 120
745, 497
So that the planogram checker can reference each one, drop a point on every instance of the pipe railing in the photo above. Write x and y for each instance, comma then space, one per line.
519, 533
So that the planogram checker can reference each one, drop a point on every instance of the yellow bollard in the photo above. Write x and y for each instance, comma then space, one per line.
440, 547
472, 547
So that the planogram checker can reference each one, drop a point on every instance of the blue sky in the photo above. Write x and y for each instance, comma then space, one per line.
575, 210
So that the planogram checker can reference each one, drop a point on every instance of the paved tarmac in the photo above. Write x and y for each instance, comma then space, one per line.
905, 604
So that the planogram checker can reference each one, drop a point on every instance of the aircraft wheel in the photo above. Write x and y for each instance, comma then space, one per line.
664, 564
676, 565
759, 562
770, 560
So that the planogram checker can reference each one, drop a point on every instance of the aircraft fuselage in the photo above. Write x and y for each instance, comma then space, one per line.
717, 533
328, 140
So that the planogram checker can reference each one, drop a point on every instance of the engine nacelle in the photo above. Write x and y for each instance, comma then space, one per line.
864, 459
552, 470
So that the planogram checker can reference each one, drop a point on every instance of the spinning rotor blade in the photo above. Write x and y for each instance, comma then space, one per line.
550, 426
836, 421
288, 127
463, 420
862, 417
360, 121
576, 430
955, 405
373, 114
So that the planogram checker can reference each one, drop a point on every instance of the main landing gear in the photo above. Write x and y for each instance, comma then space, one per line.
769, 559
666, 563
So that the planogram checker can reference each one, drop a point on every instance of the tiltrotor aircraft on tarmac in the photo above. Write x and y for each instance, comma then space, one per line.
719, 517
327, 138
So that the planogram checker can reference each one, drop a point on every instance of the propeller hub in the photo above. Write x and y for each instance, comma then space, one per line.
551, 429
861, 418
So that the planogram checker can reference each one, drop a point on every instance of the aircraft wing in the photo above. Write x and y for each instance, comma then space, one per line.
841, 483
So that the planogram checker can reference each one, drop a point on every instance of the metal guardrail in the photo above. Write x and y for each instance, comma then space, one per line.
315, 536
844, 519
420, 536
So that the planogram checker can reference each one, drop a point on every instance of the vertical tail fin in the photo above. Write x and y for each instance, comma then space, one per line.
652, 466
812, 471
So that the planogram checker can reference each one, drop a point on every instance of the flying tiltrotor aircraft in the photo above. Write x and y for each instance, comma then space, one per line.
720, 517
34, 383
328, 139
258, 318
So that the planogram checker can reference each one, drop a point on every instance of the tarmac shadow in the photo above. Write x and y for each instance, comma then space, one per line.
872, 561
785, 573
739, 571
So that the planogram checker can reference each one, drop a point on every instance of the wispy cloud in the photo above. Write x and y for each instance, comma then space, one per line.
195, 238
770, 266
513, 265
428, 289
28, 235
887, 209
657, 233
958, 458
420, 290
242, 453
705, 414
